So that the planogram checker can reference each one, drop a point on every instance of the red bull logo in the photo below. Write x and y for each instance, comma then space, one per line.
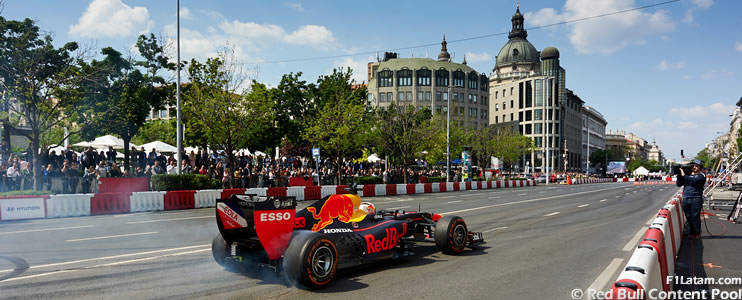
388, 242
339, 207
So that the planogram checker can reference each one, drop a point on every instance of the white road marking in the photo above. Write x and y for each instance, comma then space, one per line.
618, 196
106, 265
635, 239
559, 190
651, 220
603, 200
457, 201
600, 283
522, 194
491, 230
401, 207
111, 236
47, 229
526, 201
110, 257
581, 206
542, 192
495, 197
551, 214
165, 220
448, 197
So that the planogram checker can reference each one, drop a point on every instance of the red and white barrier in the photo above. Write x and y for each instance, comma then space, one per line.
641, 275
207, 198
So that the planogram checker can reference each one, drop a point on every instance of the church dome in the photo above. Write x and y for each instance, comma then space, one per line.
517, 51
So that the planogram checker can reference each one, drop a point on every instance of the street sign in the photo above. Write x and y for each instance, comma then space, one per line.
315, 152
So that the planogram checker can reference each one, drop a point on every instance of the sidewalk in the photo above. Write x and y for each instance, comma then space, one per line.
716, 256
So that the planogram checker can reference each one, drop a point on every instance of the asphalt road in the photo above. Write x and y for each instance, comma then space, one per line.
542, 242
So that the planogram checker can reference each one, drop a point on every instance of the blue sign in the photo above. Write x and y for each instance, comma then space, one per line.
315, 152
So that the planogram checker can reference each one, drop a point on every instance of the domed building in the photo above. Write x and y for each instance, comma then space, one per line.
528, 92
425, 82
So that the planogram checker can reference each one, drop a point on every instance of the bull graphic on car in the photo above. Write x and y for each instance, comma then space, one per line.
341, 207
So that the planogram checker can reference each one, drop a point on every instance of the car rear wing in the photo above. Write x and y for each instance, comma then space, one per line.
257, 221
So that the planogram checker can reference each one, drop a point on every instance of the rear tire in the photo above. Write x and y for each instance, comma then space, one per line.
451, 235
311, 260
220, 250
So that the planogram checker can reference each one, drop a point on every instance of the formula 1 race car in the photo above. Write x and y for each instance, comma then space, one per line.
336, 232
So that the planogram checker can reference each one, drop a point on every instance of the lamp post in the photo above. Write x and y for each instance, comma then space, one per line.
448, 133
177, 97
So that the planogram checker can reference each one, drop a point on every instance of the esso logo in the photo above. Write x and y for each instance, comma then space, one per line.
275, 216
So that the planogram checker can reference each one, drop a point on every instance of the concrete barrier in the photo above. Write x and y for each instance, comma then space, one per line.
256, 191
109, 203
297, 192
180, 200
641, 275
427, 187
663, 225
655, 238
278, 192
380, 190
226, 193
328, 190
147, 201
401, 189
207, 198
312, 193
70, 205
369, 190
435, 187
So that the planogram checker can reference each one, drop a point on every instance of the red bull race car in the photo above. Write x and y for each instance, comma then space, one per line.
337, 232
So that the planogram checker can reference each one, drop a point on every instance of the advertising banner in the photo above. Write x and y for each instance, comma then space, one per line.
24, 208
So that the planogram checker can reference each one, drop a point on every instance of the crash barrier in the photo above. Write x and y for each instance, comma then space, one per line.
207, 198
653, 182
590, 180
72, 205
110, 203
69, 205
656, 256
123, 184
147, 201
179, 200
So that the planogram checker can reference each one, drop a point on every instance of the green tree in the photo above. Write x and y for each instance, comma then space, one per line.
135, 87
511, 146
402, 133
156, 130
40, 84
709, 161
459, 137
216, 106
342, 119
293, 108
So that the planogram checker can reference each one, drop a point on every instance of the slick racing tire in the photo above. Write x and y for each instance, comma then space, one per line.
220, 250
451, 235
310, 260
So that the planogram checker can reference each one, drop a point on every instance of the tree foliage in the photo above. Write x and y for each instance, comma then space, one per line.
157, 130
40, 83
402, 133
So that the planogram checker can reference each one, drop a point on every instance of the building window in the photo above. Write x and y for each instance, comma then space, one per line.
404, 77
419, 96
382, 97
537, 128
511, 117
528, 115
483, 82
409, 96
528, 128
475, 99
427, 96
389, 97
511, 104
511, 91
538, 115
458, 78
385, 78
529, 94
445, 96
496, 92
515, 52
438, 96
400, 96
473, 80
470, 97
496, 119
504, 105
423, 77
484, 114
496, 106
438, 109
441, 77
455, 97
538, 141
163, 114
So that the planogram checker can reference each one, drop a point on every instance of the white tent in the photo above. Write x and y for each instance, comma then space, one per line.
59, 149
103, 142
641, 171
258, 153
160, 147
373, 158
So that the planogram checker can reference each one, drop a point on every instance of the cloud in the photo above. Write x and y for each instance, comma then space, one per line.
703, 3
607, 34
359, 68
688, 18
185, 14
295, 6
665, 65
250, 32
716, 109
738, 46
686, 125
665, 37
478, 57
111, 18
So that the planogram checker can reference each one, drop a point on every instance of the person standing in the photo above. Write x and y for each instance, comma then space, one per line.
693, 197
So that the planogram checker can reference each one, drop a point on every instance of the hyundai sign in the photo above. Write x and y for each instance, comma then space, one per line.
26, 208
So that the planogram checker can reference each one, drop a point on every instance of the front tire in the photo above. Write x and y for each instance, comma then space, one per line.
451, 235
311, 259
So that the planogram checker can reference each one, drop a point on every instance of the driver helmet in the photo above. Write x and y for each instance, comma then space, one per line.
368, 208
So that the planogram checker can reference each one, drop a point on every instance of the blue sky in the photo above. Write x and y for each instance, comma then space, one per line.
669, 72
